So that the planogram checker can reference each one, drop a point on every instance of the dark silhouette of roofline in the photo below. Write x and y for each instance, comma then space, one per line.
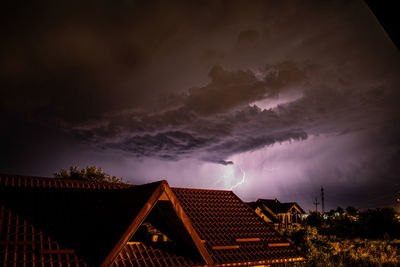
388, 16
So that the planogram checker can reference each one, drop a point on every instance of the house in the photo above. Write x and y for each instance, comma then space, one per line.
59, 222
280, 215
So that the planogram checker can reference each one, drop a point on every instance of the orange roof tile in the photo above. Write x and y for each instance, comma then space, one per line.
151, 255
22, 244
89, 223
224, 222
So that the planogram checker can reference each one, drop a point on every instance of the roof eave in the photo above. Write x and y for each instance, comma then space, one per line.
262, 262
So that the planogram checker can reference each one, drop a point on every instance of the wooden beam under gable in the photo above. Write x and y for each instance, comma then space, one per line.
163, 196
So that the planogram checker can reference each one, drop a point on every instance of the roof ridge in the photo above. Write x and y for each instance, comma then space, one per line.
21, 175
52, 178
55, 178
201, 189
24, 181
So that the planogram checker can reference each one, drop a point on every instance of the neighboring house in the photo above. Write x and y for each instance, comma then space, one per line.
58, 222
280, 215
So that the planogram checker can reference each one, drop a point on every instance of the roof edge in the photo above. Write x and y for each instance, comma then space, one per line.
200, 189
188, 225
137, 221
262, 262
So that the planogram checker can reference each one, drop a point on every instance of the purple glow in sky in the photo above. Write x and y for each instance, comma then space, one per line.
271, 99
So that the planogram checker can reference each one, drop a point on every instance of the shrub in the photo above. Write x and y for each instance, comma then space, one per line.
332, 251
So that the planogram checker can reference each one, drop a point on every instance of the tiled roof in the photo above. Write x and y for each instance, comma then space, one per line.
231, 231
21, 244
88, 217
138, 254
89, 223
278, 207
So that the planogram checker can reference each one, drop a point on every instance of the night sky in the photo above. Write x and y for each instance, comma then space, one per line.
267, 98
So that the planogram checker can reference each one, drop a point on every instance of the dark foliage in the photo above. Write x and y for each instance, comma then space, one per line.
378, 223
90, 173
314, 219
372, 223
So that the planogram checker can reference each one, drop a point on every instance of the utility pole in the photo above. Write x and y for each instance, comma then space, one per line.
316, 203
322, 200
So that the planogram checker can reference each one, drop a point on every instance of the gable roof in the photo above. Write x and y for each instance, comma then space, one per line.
276, 206
162, 191
92, 222
265, 210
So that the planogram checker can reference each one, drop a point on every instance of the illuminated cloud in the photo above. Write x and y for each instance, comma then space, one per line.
210, 123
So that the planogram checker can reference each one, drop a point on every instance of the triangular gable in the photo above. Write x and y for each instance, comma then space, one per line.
295, 207
288, 206
298, 208
162, 192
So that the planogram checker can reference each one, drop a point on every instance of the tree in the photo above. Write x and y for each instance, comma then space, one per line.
314, 219
351, 211
378, 223
90, 173
331, 213
339, 210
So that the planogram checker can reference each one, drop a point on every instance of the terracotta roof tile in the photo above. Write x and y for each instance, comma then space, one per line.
22, 244
151, 255
221, 218
82, 216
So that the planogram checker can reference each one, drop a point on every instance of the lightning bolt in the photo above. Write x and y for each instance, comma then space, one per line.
241, 181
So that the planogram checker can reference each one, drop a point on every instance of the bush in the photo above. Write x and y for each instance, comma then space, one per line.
379, 223
331, 251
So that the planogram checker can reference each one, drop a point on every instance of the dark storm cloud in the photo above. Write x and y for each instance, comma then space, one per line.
247, 39
210, 123
209, 139
78, 53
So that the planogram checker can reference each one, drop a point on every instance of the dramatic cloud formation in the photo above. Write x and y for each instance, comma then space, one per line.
208, 123
210, 93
